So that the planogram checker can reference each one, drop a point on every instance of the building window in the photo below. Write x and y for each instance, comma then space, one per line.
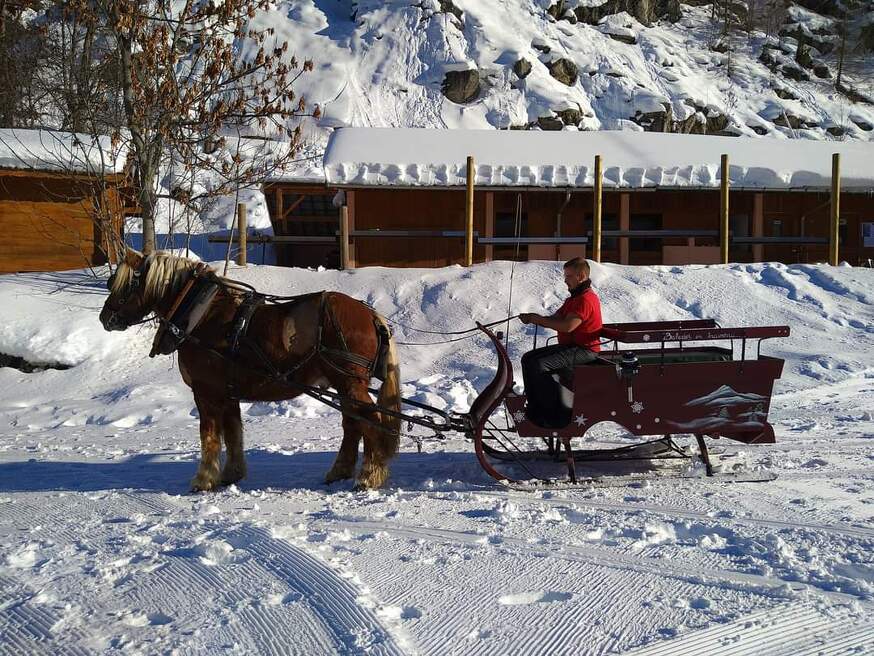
309, 205
608, 222
868, 235
505, 224
646, 222
308, 215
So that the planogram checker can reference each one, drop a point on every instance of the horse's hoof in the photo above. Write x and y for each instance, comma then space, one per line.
337, 475
202, 486
232, 477
371, 478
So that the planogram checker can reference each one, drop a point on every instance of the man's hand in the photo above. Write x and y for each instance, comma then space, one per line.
529, 317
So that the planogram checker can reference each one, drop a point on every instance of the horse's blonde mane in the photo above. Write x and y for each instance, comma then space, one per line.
165, 274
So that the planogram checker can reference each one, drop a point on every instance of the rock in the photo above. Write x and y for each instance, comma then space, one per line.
704, 121
542, 47
784, 93
802, 56
824, 44
854, 94
522, 68
822, 71
825, 7
563, 70
722, 46
862, 124
694, 124
447, 7
795, 72
551, 123
788, 120
645, 11
461, 86
836, 130
569, 116
655, 121
558, 10
630, 39
758, 129
769, 59
716, 123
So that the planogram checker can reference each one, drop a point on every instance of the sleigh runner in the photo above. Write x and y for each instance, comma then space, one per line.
659, 391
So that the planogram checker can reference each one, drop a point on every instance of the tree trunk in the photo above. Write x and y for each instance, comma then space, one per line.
841, 54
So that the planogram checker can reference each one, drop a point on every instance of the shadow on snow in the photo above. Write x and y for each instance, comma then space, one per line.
267, 469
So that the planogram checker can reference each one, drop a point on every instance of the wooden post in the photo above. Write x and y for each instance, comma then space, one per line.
758, 225
624, 224
468, 209
280, 211
350, 205
834, 223
723, 212
490, 224
242, 232
344, 237
596, 223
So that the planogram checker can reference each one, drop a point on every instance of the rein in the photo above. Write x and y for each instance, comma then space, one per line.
467, 334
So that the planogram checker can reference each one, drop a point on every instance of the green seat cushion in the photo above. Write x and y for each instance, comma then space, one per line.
707, 354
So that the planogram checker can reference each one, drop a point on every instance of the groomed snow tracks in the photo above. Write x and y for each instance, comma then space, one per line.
136, 563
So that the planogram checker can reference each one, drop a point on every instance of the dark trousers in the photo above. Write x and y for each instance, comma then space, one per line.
541, 388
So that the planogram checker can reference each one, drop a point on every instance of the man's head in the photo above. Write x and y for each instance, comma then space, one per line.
576, 272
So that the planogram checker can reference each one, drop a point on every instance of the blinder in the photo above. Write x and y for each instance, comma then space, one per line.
115, 318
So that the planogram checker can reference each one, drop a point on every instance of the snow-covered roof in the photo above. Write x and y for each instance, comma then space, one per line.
403, 157
47, 150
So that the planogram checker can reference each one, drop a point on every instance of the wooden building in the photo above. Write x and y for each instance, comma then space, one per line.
404, 196
58, 202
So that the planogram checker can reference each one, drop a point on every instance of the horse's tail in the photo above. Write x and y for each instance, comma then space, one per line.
390, 394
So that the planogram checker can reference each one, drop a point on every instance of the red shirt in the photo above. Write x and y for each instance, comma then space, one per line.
586, 306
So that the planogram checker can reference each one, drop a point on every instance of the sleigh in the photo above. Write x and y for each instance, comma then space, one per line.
656, 382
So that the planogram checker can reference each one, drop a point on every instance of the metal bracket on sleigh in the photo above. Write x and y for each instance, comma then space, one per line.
653, 391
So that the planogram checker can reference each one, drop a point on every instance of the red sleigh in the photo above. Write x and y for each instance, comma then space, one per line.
662, 386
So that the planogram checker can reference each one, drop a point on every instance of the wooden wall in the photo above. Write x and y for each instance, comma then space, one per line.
787, 214
46, 223
404, 209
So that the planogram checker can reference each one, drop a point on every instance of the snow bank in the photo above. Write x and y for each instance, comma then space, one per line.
46, 150
423, 157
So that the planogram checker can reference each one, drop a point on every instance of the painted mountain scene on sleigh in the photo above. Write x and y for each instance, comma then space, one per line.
729, 411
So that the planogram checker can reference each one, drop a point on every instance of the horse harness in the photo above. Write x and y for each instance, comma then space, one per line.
196, 297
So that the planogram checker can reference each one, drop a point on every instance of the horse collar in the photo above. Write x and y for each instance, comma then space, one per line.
185, 313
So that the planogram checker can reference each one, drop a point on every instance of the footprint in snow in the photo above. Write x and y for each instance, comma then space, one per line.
138, 619
541, 597
398, 612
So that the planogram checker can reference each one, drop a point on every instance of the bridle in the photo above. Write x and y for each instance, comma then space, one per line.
133, 288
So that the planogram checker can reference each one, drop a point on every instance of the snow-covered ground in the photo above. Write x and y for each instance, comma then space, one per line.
102, 549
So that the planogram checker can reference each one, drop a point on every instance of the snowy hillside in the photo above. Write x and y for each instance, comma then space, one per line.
384, 64
103, 551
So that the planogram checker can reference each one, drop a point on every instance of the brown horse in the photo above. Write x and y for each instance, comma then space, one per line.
236, 350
